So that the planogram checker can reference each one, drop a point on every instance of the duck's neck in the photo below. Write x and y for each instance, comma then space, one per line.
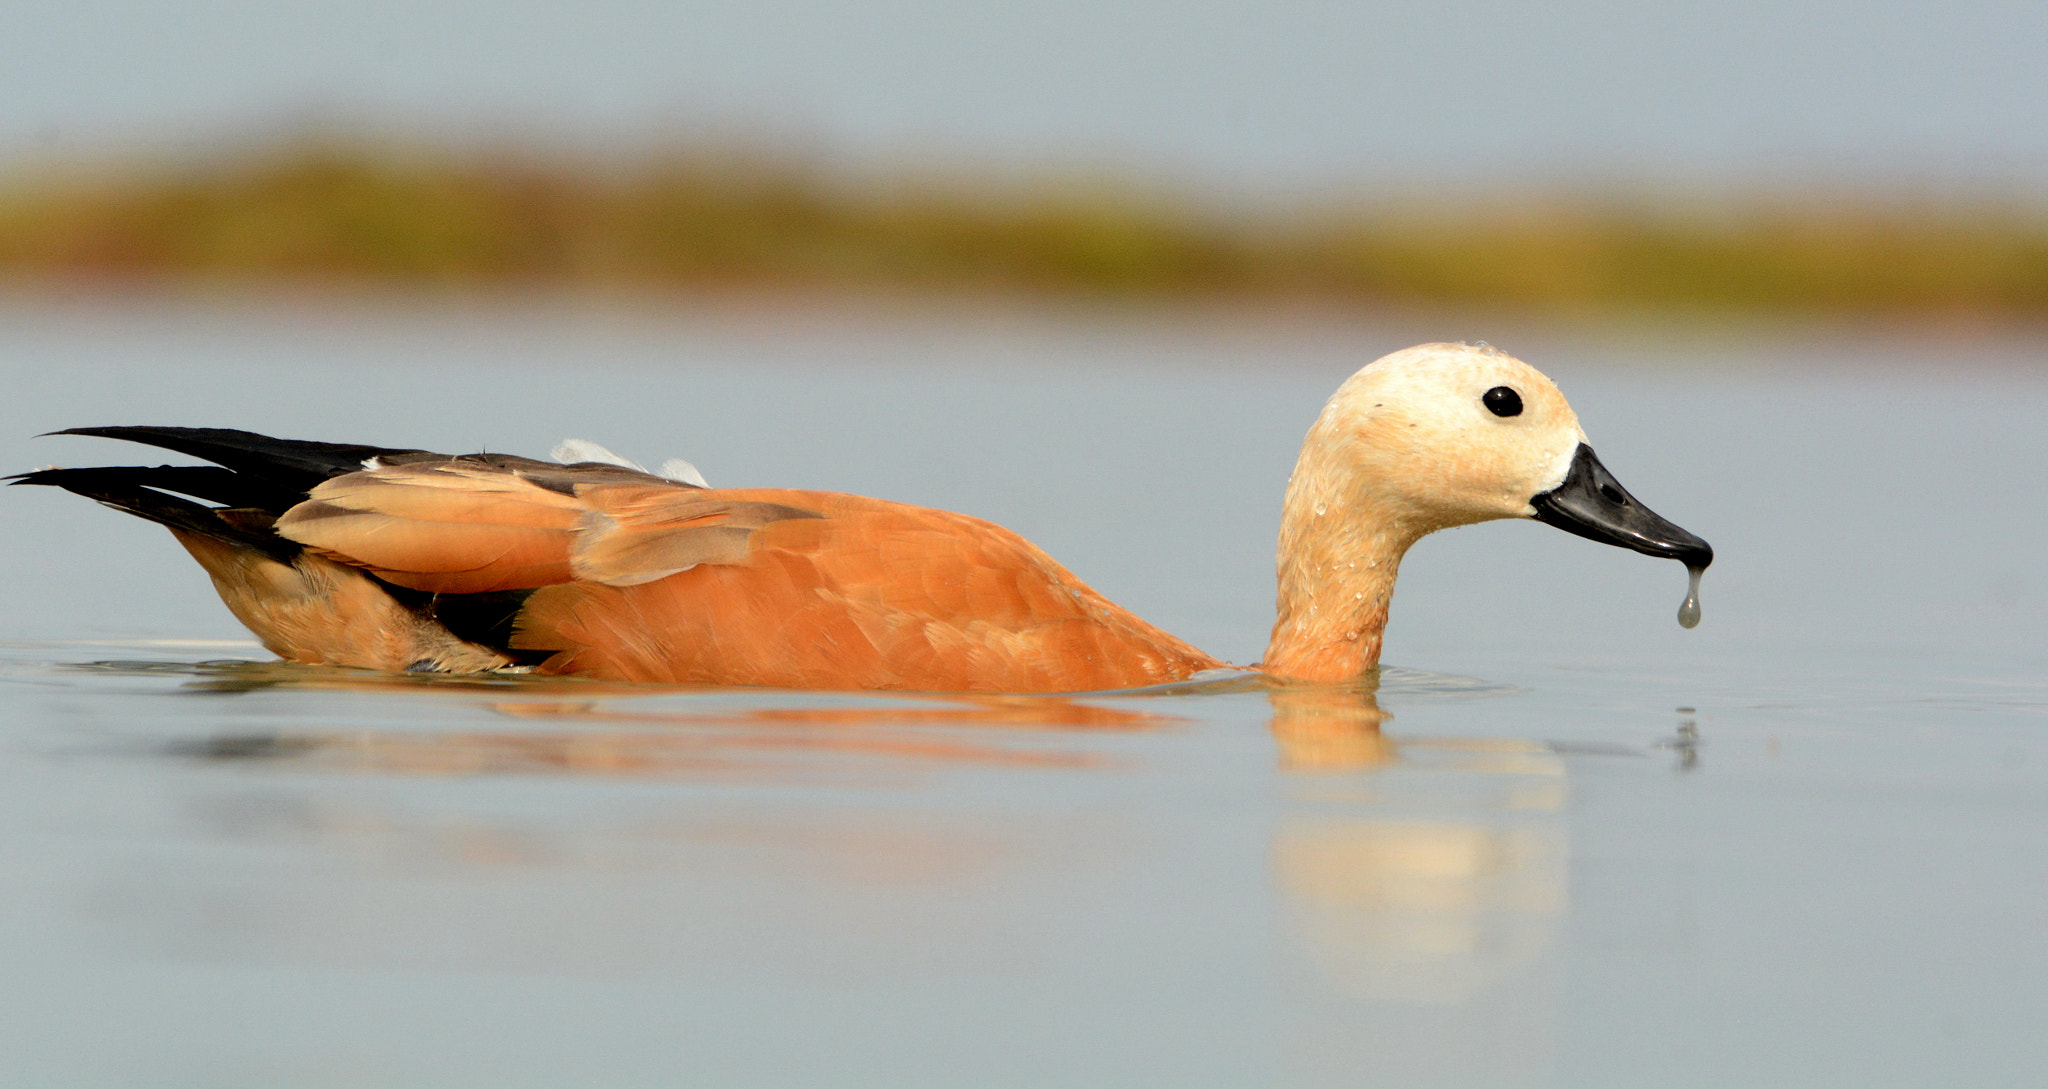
1338, 558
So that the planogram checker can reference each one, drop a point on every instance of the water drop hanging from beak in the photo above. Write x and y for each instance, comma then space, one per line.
1689, 611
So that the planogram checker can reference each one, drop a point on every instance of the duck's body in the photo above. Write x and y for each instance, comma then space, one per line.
403, 559
859, 593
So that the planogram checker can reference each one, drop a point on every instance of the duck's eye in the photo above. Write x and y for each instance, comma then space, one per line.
1502, 401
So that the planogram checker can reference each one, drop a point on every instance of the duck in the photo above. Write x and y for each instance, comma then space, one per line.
398, 559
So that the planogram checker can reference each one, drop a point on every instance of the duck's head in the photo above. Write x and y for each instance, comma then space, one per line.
1441, 435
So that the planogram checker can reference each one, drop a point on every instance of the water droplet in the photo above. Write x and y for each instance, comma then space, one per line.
1321, 509
1689, 612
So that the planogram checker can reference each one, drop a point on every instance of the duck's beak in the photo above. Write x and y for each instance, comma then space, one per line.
1591, 503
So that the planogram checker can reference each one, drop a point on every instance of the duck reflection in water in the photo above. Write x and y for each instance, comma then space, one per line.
1412, 870
598, 738
1330, 727
1434, 880
1316, 727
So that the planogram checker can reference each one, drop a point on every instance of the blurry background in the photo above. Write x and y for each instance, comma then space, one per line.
1598, 157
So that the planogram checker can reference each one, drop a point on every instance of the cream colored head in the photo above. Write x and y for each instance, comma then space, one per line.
1434, 436
1411, 437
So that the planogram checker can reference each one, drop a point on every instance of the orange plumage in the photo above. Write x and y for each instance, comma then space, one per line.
607, 572
864, 594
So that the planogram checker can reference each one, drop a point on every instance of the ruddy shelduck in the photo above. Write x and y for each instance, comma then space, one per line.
397, 559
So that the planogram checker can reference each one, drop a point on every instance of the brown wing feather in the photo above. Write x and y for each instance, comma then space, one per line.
869, 594
462, 526
639, 533
444, 527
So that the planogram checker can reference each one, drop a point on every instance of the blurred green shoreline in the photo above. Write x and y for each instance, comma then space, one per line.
342, 214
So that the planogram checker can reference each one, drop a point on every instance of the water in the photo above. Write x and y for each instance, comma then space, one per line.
1801, 844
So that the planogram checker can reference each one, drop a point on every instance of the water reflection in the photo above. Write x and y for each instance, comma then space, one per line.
1405, 894
1686, 742
587, 736
1408, 870
1420, 911
596, 751
1330, 727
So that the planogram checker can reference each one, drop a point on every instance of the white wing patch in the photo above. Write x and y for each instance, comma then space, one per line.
678, 469
571, 451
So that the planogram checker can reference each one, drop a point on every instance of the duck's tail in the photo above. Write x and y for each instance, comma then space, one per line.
293, 466
155, 492
301, 606
253, 479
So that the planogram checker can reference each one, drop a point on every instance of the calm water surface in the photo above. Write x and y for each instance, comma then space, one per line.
1564, 843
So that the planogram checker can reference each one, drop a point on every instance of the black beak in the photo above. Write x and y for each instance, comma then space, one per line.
1592, 504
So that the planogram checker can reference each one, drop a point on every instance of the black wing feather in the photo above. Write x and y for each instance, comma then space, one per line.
294, 464
134, 489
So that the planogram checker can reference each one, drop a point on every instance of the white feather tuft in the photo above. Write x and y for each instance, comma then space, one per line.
678, 469
572, 451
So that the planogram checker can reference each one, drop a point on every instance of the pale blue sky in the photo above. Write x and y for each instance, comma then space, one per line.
1251, 94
